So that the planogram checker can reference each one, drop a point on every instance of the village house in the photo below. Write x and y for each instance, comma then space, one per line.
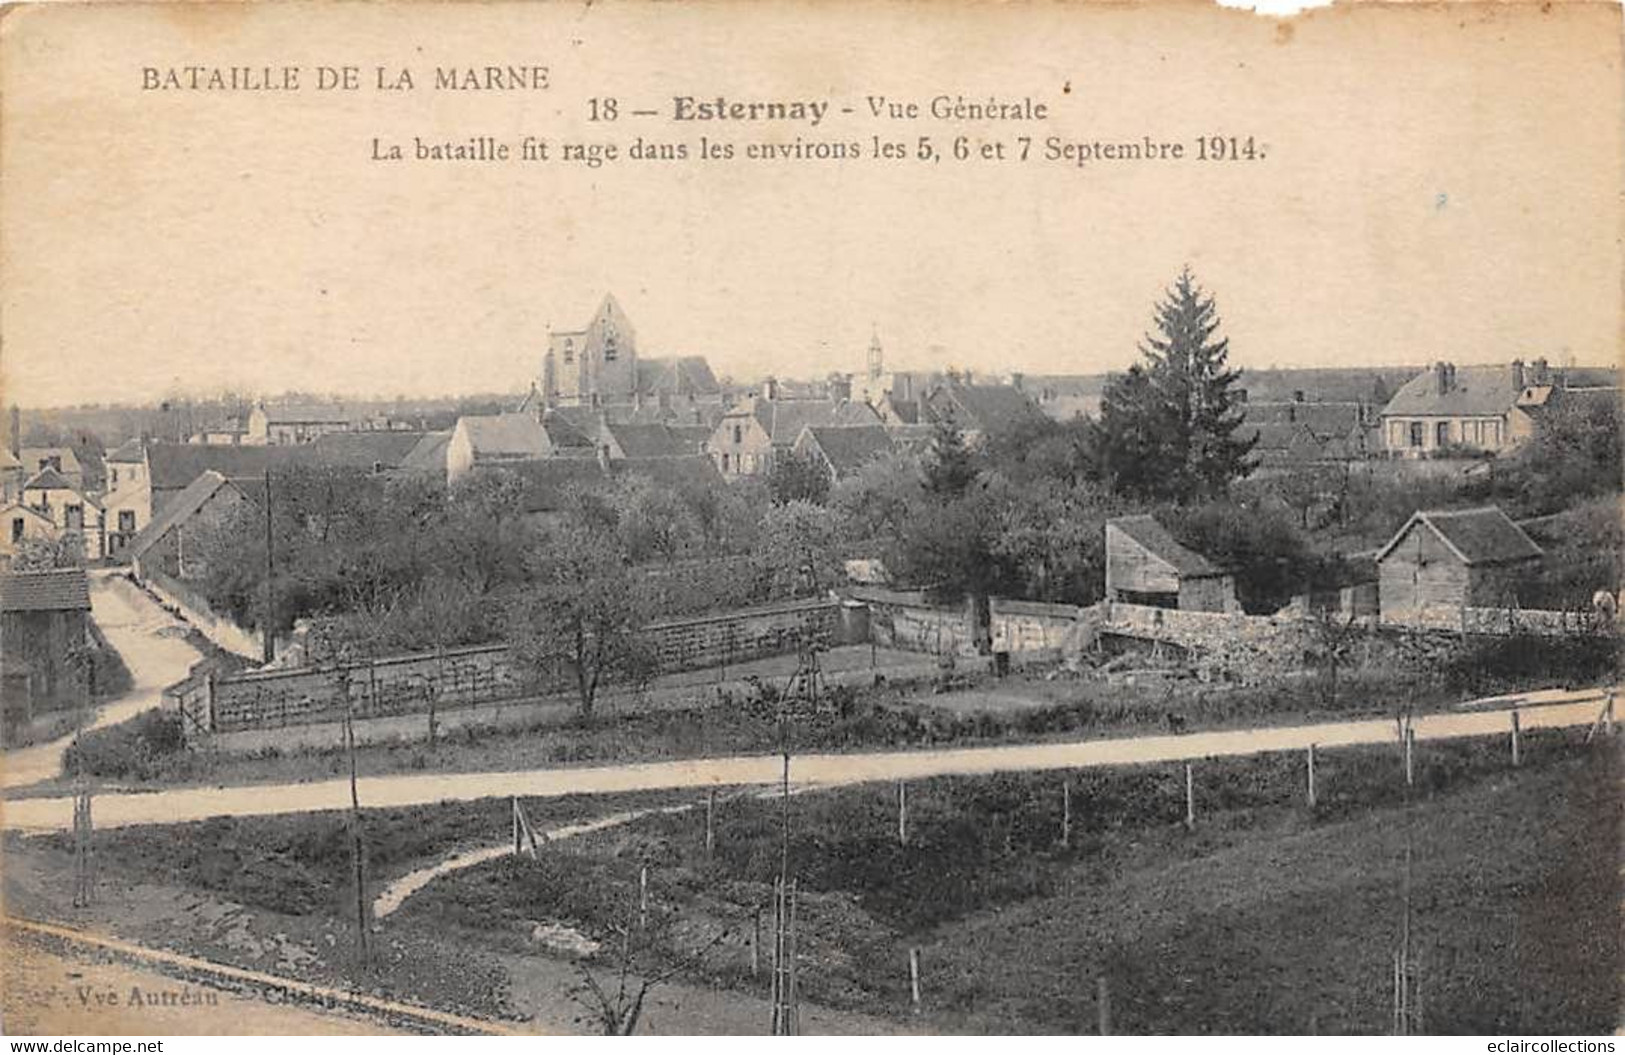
50, 494
843, 450
170, 547
280, 425
44, 640
981, 411
1146, 565
428, 455
494, 439
757, 430
1440, 562
1062, 397
617, 442
1473, 408
20, 524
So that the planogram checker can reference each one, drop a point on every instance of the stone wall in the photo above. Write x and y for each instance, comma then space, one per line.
905, 619
1030, 630
463, 677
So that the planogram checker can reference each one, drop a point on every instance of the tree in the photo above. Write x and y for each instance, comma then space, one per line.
1168, 429
950, 466
1053, 537
798, 478
796, 546
579, 612
652, 521
66, 550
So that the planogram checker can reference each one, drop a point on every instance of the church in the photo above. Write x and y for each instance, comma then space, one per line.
598, 366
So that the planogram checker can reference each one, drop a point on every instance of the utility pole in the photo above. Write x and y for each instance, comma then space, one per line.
363, 929
268, 649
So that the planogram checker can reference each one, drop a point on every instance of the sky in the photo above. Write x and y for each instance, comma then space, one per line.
1437, 184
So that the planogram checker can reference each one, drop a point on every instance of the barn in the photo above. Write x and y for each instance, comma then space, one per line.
1146, 565
1442, 561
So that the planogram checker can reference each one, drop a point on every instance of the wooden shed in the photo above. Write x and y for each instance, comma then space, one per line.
1146, 565
1442, 561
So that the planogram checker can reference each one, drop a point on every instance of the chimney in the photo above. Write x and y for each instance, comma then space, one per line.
1543, 372
771, 388
1017, 380
1441, 377
1518, 378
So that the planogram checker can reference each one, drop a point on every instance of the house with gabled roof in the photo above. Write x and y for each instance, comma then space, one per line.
1442, 561
1145, 564
171, 545
1484, 408
494, 439
279, 424
67, 507
757, 430
618, 442
44, 630
982, 411
20, 524
843, 450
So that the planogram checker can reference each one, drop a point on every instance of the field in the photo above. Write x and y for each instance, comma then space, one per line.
1265, 918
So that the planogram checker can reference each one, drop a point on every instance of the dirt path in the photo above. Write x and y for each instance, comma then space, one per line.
189, 804
151, 644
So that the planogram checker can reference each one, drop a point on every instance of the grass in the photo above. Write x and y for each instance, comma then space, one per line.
1263, 916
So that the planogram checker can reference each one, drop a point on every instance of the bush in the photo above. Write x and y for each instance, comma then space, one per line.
132, 750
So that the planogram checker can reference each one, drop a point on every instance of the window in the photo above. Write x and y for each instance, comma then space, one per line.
73, 517
126, 521
113, 478
16, 529
569, 350
609, 349
1416, 434
724, 463
1441, 434
739, 434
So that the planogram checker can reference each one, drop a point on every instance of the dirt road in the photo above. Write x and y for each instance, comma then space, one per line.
1557, 709
154, 650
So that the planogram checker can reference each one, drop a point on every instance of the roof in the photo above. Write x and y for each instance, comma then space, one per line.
566, 432
428, 454
180, 509
681, 375
58, 590
1155, 539
18, 507
363, 450
658, 441
989, 408
305, 414
783, 419
1476, 536
691, 472
1325, 420
511, 435
1476, 391
130, 451
911, 437
48, 480
176, 465
31, 457
848, 448
546, 483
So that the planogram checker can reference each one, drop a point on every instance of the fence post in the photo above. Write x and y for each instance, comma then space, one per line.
914, 977
1516, 758
1103, 1005
1410, 751
643, 898
517, 845
710, 822
1066, 813
1190, 801
902, 814
1311, 776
